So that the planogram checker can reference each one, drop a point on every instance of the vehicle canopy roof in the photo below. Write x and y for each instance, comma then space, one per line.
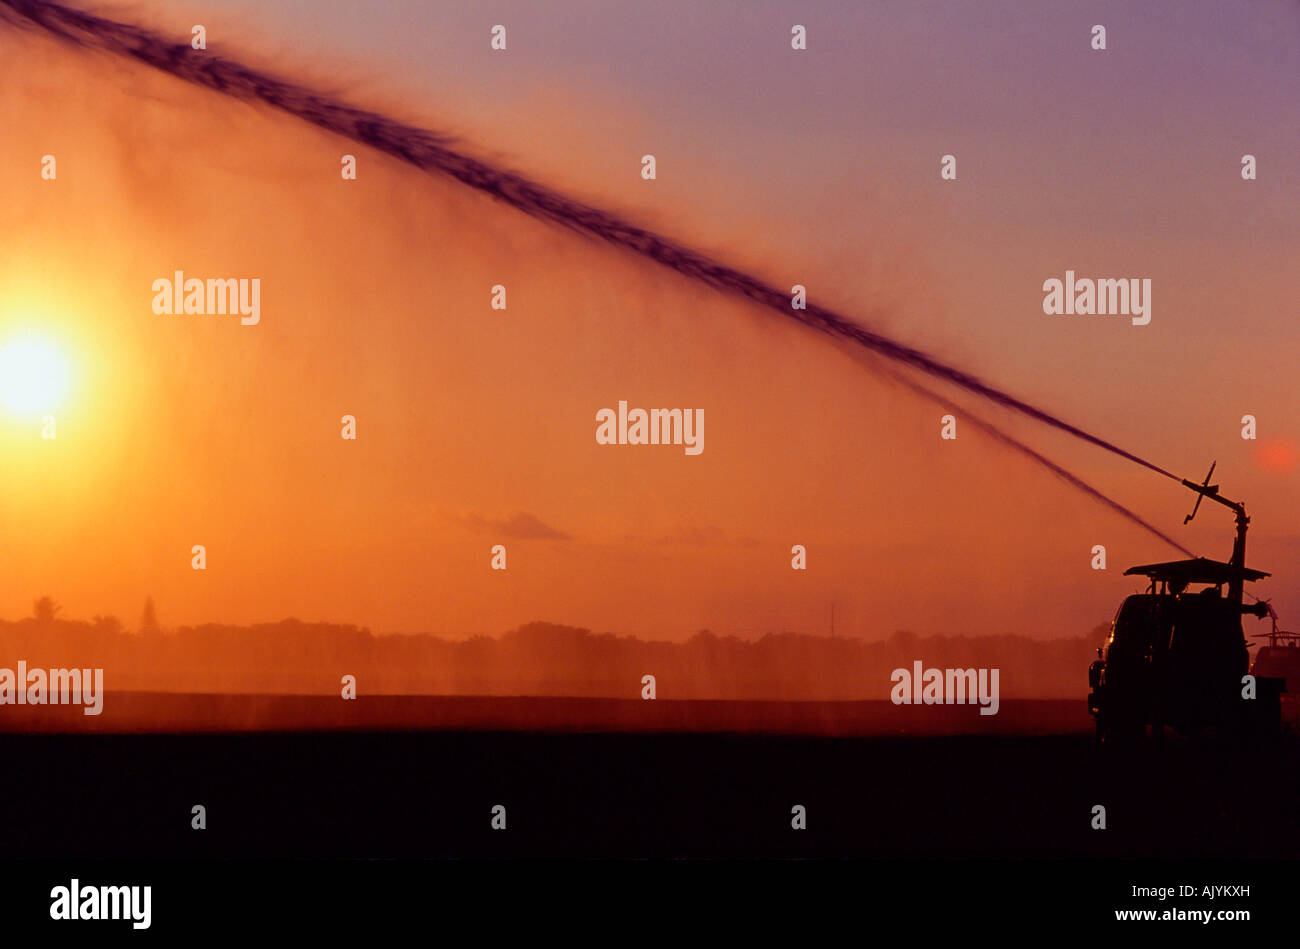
1196, 570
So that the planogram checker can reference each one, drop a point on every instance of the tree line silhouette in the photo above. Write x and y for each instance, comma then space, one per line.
295, 657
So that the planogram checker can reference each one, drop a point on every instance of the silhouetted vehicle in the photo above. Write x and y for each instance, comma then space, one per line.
1176, 655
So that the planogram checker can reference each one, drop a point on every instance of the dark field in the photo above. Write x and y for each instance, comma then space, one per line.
173, 712
571, 791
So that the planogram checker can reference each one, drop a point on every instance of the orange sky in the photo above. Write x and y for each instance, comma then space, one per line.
183, 430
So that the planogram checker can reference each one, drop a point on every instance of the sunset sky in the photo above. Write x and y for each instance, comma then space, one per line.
476, 427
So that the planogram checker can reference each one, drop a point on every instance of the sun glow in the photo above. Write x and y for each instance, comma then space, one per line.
34, 376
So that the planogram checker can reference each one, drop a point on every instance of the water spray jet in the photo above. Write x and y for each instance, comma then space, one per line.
433, 152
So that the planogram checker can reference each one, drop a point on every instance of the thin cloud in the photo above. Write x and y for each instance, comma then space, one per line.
518, 526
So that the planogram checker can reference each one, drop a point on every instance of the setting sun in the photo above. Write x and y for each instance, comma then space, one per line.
33, 376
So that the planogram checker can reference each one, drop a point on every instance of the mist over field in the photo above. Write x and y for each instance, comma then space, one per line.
541, 659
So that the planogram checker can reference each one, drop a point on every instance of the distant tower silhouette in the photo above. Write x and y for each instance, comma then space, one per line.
149, 619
